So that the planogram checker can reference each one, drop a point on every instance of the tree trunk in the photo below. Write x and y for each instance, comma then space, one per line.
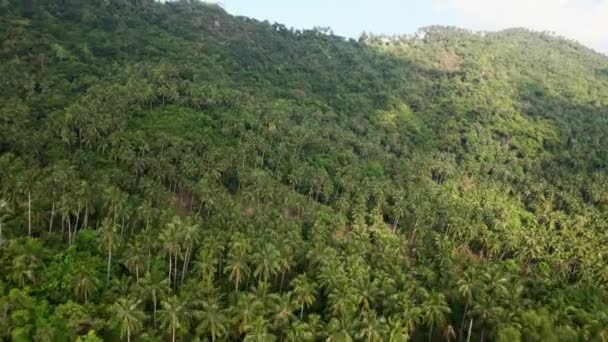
29, 213
464, 315
470, 328
301, 310
154, 306
175, 273
170, 268
52, 217
431, 331
69, 231
185, 267
77, 220
85, 222
109, 262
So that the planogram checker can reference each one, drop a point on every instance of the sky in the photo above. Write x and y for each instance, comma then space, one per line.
582, 20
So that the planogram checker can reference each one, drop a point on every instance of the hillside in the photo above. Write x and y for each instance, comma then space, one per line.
173, 172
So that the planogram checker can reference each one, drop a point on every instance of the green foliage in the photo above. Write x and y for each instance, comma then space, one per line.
171, 172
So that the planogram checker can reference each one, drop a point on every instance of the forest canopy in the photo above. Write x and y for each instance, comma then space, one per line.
169, 171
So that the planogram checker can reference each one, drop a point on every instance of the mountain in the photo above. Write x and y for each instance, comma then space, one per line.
169, 171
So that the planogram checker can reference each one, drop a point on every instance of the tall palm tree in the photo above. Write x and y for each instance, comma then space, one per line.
206, 264
190, 234
171, 242
127, 314
282, 307
213, 321
85, 285
109, 239
259, 331
298, 331
247, 307
237, 267
316, 326
397, 330
339, 331
154, 286
371, 328
435, 310
21, 272
342, 302
466, 288
5, 211
267, 262
305, 291
172, 316
134, 262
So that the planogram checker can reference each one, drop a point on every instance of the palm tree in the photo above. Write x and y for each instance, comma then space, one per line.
305, 291
213, 321
283, 308
259, 331
267, 262
299, 331
434, 311
397, 330
171, 243
206, 264
172, 315
126, 313
21, 272
155, 287
237, 266
134, 262
247, 307
338, 331
109, 240
84, 286
5, 211
371, 328
411, 315
24, 266
342, 302
285, 261
189, 238
466, 288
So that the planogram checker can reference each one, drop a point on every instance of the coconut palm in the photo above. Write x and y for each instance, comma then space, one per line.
172, 316
304, 291
154, 286
109, 240
371, 328
213, 322
259, 331
247, 308
267, 262
127, 314
434, 311
397, 330
84, 286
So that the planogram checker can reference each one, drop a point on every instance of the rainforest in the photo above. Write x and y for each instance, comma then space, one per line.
171, 172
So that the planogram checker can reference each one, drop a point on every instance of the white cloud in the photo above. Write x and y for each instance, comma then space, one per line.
583, 20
